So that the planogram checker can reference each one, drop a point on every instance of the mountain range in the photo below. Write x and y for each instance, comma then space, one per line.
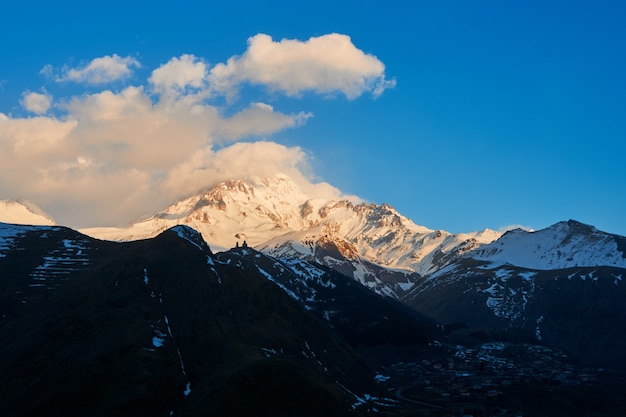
372, 243
331, 294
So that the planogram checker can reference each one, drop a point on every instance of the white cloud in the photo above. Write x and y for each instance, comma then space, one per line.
116, 156
108, 106
30, 137
178, 74
107, 157
259, 119
324, 64
244, 160
37, 103
240, 160
101, 70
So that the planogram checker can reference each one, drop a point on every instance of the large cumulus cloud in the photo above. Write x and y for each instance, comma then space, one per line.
324, 64
110, 156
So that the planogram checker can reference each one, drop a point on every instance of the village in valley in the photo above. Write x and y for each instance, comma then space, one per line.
492, 379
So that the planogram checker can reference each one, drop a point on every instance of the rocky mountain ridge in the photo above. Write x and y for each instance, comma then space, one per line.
372, 243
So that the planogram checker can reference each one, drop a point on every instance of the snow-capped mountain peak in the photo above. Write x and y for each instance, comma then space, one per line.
254, 210
24, 212
565, 244
379, 235
275, 215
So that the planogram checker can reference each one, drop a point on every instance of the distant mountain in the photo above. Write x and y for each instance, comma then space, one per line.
255, 211
561, 285
564, 245
24, 212
372, 243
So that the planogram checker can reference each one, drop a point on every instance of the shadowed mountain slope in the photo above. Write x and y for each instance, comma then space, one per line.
159, 327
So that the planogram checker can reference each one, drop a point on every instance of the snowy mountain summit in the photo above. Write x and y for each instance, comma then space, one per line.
565, 244
233, 211
24, 212
370, 242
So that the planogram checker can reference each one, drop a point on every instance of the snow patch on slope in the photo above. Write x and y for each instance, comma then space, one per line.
9, 233
58, 263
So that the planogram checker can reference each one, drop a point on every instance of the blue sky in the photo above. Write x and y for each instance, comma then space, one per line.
493, 113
